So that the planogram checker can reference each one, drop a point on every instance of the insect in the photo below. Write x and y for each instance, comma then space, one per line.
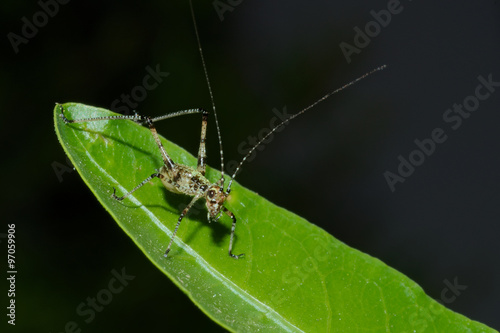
187, 180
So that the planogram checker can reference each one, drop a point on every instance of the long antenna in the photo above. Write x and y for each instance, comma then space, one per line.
296, 115
221, 181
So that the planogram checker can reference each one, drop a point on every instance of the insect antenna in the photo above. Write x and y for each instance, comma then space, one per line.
296, 115
221, 151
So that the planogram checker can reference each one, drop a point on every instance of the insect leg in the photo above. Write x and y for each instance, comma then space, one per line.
136, 117
70, 121
177, 113
166, 158
231, 215
202, 152
154, 175
184, 212
169, 163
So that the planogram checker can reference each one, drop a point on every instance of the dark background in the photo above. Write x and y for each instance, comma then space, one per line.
327, 166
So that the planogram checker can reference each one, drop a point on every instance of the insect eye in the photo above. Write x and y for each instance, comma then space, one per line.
211, 193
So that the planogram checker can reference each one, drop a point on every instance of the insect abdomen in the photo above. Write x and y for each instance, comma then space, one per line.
185, 180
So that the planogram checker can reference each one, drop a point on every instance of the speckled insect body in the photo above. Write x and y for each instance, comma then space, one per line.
180, 178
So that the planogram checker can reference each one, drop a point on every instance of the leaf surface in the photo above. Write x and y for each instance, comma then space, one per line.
294, 276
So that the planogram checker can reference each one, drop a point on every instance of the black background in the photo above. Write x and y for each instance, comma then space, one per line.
327, 166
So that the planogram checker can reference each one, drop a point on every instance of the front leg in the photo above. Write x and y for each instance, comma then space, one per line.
231, 215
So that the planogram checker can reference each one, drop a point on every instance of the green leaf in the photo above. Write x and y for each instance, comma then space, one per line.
294, 276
